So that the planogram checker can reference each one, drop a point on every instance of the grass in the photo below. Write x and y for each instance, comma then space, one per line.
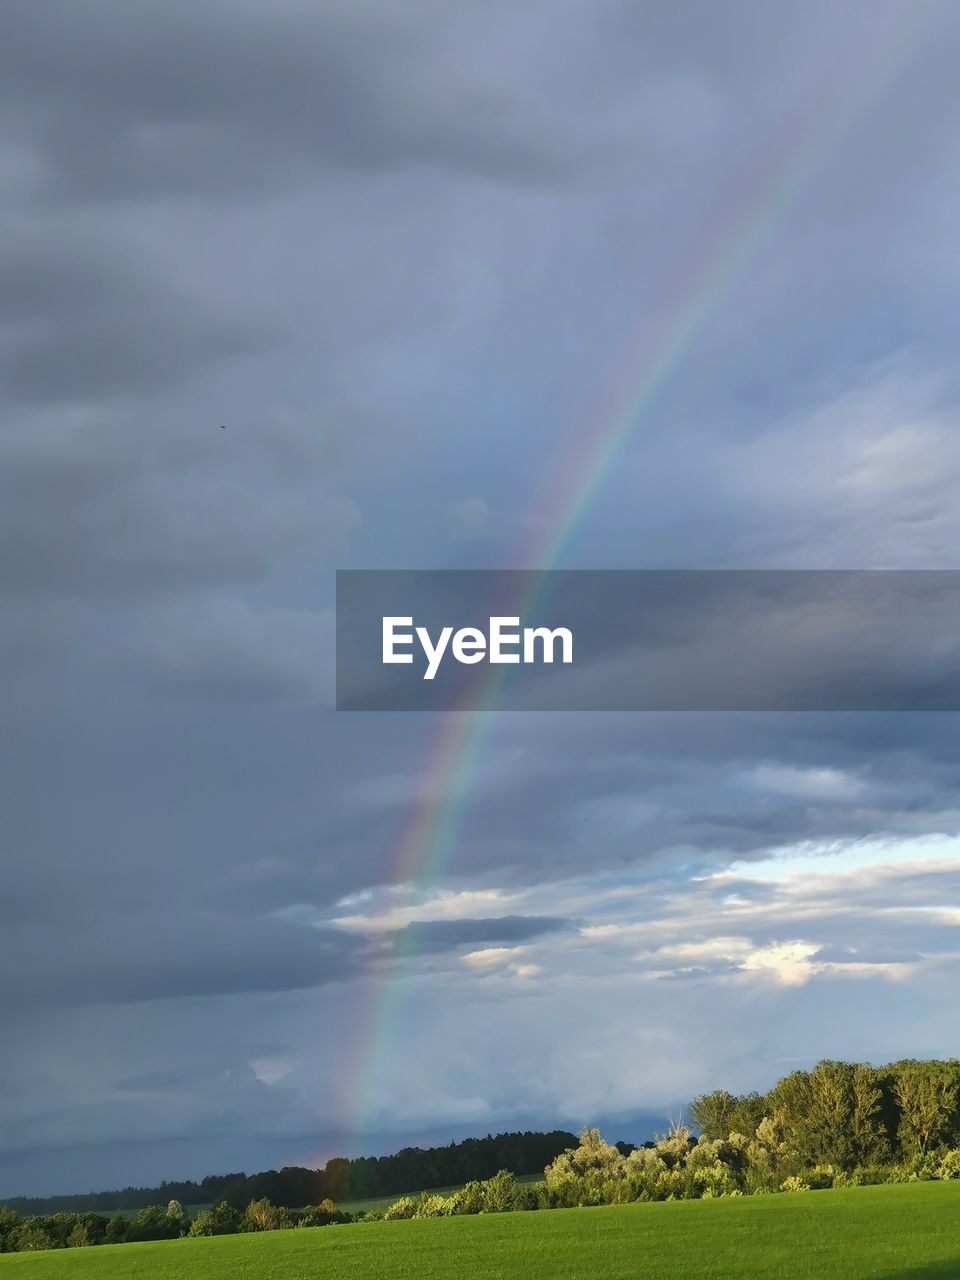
871, 1233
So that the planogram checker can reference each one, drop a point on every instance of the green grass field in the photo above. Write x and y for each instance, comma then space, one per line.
872, 1233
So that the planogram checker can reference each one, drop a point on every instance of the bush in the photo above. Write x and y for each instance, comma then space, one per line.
30, 1238
405, 1207
261, 1215
793, 1183
221, 1220
430, 1207
501, 1193
468, 1199
116, 1231
152, 1223
325, 1213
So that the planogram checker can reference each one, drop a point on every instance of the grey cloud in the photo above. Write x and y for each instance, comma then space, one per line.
428, 936
91, 321
216, 99
194, 954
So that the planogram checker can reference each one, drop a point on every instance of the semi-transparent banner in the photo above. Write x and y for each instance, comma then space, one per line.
649, 640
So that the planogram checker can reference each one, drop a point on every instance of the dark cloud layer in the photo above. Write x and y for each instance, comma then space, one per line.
229, 101
442, 935
89, 320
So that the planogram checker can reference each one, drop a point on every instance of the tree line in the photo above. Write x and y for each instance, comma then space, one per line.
361, 1178
849, 1115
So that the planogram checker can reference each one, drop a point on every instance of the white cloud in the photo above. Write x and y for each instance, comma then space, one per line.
786, 962
271, 1070
819, 784
490, 957
467, 904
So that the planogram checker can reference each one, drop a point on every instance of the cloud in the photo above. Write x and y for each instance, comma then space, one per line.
489, 956
813, 783
787, 962
91, 320
303, 90
428, 936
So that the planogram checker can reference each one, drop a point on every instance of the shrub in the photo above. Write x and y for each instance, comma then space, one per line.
116, 1231
30, 1238
261, 1215
405, 1207
326, 1212
501, 1193
468, 1199
152, 1223
430, 1206
793, 1183
221, 1220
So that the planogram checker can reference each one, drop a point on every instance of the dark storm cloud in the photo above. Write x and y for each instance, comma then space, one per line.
202, 954
181, 99
89, 320
444, 935
159, 957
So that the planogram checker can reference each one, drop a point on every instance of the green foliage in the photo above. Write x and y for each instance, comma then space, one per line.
468, 1199
153, 1222
405, 1207
320, 1215
501, 1193
261, 1215
32, 1237
713, 1113
927, 1100
116, 1231
221, 1220
430, 1206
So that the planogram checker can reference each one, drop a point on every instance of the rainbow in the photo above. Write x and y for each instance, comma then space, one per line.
856, 76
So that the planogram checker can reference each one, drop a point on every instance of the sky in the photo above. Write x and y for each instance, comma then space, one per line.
405, 257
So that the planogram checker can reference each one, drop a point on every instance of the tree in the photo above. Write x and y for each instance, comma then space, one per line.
9, 1221
713, 1113
832, 1115
591, 1156
927, 1097
32, 1236
261, 1215
116, 1231
177, 1217
501, 1193
221, 1220
153, 1223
